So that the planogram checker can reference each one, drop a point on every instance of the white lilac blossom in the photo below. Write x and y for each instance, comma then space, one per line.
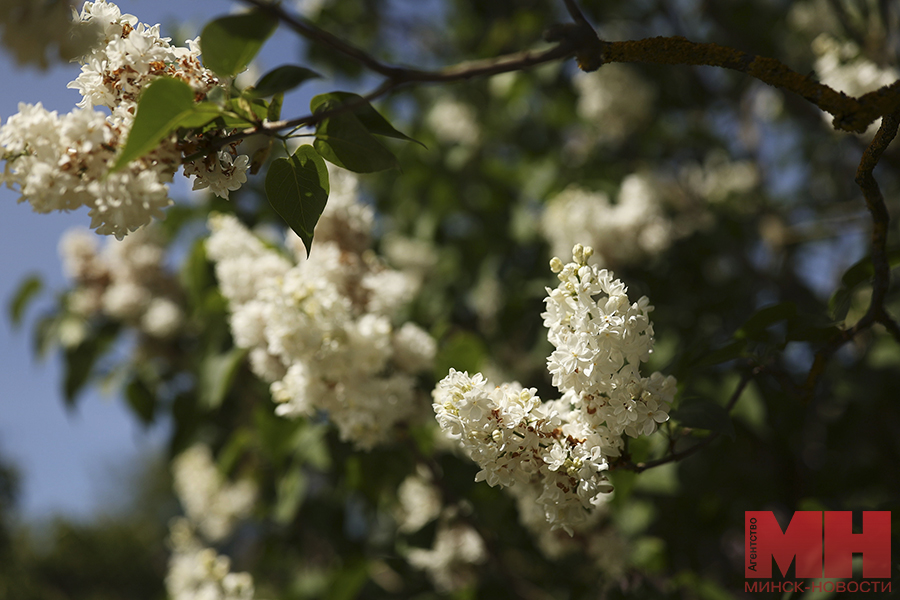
213, 507
212, 504
323, 330
420, 503
125, 281
560, 448
632, 229
221, 173
198, 572
453, 122
615, 101
60, 162
718, 177
450, 562
651, 210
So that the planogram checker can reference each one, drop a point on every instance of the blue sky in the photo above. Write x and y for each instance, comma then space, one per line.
66, 458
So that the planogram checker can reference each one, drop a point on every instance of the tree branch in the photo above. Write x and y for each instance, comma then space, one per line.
876, 313
402, 75
850, 114
459, 72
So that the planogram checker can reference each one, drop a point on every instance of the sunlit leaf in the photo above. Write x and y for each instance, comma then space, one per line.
28, 290
230, 43
161, 109
370, 118
216, 374
297, 188
141, 400
79, 361
344, 141
755, 327
280, 80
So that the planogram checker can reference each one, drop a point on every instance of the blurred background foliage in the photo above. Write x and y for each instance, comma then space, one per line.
755, 196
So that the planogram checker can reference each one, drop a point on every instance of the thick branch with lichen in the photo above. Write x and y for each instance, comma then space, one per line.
850, 114
579, 39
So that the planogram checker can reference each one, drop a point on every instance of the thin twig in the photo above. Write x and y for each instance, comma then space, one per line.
402, 75
318, 35
462, 71
579, 38
575, 13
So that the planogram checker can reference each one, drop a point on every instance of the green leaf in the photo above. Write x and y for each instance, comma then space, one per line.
27, 291
230, 43
79, 361
141, 400
727, 352
216, 374
860, 272
195, 275
297, 188
291, 490
370, 118
162, 107
462, 351
200, 115
275, 436
344, 141
281, 79
755, 327
701, 414
274, 111
807, 327
249, 111
349, 581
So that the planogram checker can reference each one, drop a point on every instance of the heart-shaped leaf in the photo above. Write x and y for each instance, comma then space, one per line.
230, 43
297, 188
280, 80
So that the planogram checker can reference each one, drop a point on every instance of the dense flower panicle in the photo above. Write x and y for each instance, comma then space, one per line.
212, 507
323, 331
420, 503
519, 441
651, 210
61, 162
453, 122
212, 504
616, 101
196, 571
632, 229
556, 452
125, 281
129, 56
450, 562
